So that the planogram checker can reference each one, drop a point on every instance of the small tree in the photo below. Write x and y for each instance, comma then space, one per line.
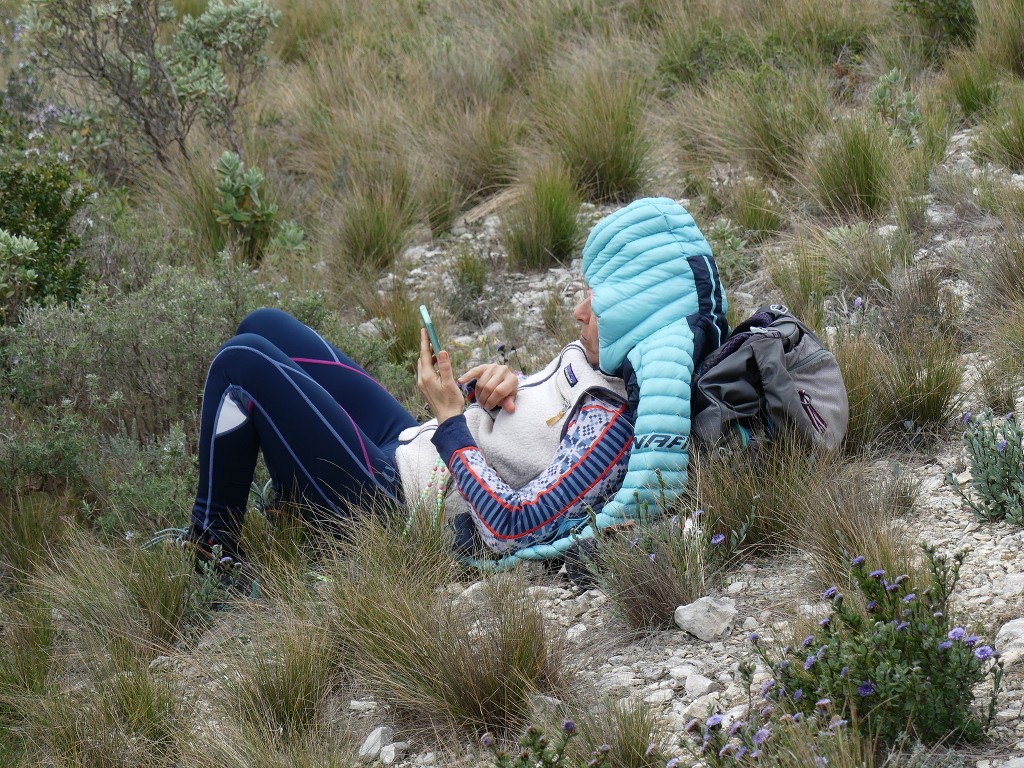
119, 47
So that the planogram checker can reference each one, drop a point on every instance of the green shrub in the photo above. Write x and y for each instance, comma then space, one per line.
400, 318
996, 460
135, 362
596, 126
543, 228
895, 106
900, 667
45, 453
688, 56
164, 73
733, 255
853, 174
945, 23
39, 205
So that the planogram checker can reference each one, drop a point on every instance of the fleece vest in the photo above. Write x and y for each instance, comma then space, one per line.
518, 446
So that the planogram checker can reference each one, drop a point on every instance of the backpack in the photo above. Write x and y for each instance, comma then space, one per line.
771, 374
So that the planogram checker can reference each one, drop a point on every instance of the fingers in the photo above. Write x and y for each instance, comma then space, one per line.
497, 386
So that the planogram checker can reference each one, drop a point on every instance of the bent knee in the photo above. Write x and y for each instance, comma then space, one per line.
262, 321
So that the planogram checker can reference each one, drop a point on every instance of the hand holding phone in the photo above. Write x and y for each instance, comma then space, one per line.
435, 344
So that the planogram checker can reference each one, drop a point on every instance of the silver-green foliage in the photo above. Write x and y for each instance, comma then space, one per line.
162, 72
997, 467
18, 276
896, 106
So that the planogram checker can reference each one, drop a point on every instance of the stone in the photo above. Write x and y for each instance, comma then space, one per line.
750, 623
1012, 584
379, 737
393, 752
736, 587
362, 706
575, 633
660, 696
1010, 641
702, 706
698, 685
1016, 762
708, 618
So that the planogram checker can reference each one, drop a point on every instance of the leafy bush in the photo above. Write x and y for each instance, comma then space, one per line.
137, 361
945, 23
901, 667
38, 207
543, 229
122, 50
733, 254
996, 459
895, 106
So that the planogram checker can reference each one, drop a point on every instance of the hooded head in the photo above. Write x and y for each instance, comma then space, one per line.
649, 267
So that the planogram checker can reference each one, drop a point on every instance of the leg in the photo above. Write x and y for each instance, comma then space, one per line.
376, 411
257, 397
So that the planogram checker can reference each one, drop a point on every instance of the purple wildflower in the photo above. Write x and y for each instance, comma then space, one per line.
829, 593
673, 763
766, 686
844, 671
717, 539
824, 622
902, 625
877, 574
809, 663
569, 726
761, 736
741, 751
901, 578
837, 722
892, 587
872, 605
715, 721
909, 598
633, 542
970, 641
1001, 446
756, 754
735, 727
858, 560
866, 688
798, 694
956, 633
798, 716
728, 749
651, 557
858, 302
692, 725
487, 740
945, 645
753, 637
823, 703
807, 641
967, 417
982, 652
820, 762
766, 711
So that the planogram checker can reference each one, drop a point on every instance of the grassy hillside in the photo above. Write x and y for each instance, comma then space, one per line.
165, 167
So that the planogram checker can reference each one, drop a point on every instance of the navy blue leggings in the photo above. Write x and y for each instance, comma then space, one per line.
327, 429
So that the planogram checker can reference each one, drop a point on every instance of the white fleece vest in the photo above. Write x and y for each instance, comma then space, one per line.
518, 446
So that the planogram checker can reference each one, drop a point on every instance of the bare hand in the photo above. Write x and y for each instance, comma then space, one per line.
438, 385
495, 385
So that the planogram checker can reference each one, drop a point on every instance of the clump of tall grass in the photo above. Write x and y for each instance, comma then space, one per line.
1001, 135
543, 229
694, 56
998, 271
652, 568
479, 145
763, 119
33, 529
132, 717
753, 208
1001, 33
806, 277
972, 82
125, 603
470, 272
373, 221
1003, 334
753, 497
282, 690
441, 198
398, 313
863, 260
862, 512
474, 665
27, 655
595, 125
853, 173
634, 735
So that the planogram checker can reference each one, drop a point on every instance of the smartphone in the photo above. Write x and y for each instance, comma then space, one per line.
431, 332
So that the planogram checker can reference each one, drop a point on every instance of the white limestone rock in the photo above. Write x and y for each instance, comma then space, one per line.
708, 618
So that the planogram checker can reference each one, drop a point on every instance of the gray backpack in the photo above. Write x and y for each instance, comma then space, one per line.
772, 374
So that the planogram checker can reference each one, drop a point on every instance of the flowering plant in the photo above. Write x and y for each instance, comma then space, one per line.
897, 666
997, 467
538, 751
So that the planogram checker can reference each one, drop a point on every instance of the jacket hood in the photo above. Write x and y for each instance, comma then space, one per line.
649, 267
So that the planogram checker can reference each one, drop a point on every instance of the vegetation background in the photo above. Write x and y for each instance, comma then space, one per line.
167, 166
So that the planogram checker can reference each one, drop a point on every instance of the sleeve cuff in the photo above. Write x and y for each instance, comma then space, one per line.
452, 435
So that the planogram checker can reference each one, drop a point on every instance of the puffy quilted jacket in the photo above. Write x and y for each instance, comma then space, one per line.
661, 308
